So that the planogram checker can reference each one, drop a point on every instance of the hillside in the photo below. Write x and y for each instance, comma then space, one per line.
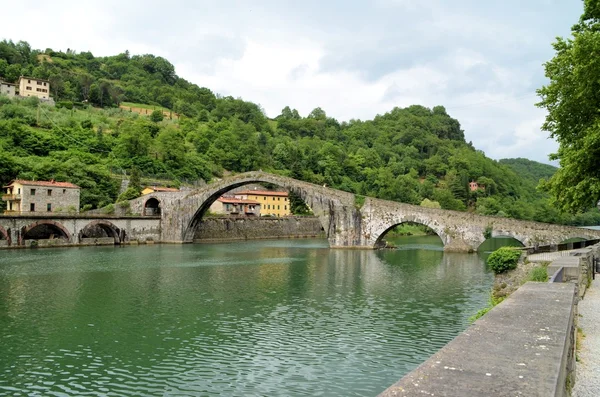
408, 155
530, 170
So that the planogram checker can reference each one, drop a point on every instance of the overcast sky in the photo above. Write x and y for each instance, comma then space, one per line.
482, 60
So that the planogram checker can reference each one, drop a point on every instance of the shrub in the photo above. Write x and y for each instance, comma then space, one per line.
129, 194
109, 209
359, 201
538, 273
504, 259
157, 116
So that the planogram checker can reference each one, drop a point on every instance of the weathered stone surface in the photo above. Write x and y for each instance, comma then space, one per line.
349, 223
522, 347
72, 227
243, 228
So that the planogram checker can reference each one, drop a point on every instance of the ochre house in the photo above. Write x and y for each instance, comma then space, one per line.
235, 206
29, 86
41, 196
155, 189
272, 203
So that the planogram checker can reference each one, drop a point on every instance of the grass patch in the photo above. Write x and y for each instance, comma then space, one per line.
359, 201
493, 301
538, 273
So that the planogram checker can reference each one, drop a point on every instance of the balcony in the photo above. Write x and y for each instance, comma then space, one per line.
11, 197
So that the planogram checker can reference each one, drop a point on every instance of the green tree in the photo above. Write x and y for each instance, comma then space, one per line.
572, 102
157, 116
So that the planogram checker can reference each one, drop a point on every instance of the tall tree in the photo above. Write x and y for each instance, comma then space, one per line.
572, 99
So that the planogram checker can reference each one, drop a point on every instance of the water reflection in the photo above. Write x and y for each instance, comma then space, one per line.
256, 318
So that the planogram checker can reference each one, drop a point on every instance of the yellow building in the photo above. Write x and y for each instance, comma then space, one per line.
158, 189
271, 203
28, 86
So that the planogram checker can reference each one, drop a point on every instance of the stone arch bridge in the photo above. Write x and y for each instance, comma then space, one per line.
351, 221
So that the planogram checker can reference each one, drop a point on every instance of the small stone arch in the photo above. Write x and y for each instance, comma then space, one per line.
502, 233
152, 207
5, 235
107, 227
56, 225
378, 236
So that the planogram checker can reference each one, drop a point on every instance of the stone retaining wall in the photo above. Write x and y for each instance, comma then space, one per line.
247, 228
522, 347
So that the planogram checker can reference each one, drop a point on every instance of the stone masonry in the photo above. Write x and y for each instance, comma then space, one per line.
350, 221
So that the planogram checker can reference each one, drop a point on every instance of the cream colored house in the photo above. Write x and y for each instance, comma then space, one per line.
8, 89
235, 206
272, 203
41, 196
28, 86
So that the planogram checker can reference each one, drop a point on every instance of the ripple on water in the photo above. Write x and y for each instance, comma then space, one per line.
255, 318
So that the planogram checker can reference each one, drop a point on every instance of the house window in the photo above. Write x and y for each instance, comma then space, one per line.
28, 88
285, 207
64, 191
33, 192
49, 207
278, 207
32, 207
10, 205
19, 191
49, 192
29, 81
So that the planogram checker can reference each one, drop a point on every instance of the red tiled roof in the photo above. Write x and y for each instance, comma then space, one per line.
44, 183
233, 200
263, 193
162, 189
33, 78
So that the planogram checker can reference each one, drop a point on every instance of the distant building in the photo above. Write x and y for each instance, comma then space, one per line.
235, 206
158, 189
272, 203
8, 89
41, 196
474, 186
29, 86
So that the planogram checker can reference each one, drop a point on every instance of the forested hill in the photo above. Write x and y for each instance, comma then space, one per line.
530, 170
415, 155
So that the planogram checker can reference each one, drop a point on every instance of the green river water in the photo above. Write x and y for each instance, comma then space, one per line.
258, 318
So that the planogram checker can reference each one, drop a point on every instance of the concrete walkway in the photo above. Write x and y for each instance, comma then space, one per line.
587, 382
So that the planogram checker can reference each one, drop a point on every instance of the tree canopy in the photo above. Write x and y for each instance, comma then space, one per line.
572, 99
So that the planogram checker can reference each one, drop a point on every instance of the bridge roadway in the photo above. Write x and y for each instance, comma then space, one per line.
349, 221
